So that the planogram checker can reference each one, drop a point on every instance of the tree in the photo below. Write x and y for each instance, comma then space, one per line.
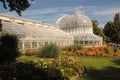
8, 47
16, 5
112, 30
96, 29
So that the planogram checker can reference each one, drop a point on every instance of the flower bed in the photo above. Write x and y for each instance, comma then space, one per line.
94, 51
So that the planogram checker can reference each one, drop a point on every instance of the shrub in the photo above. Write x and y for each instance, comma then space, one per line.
8, 47
50, 51
61, 68
28, 71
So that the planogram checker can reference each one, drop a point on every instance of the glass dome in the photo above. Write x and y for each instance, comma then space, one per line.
80, 27
76, 20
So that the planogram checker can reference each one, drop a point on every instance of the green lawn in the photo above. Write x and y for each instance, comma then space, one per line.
101, 68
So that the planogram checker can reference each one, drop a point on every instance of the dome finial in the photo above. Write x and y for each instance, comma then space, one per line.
78, 10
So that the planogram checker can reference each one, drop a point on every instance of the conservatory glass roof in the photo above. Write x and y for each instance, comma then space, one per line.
22, 30
76, 20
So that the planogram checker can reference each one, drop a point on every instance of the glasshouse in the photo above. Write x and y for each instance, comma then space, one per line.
33, 35
70, 29
80, 27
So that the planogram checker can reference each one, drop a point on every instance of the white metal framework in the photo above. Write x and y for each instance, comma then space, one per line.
80, 27
34, 35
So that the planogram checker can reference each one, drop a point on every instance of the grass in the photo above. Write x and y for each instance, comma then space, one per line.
28, 58
98, 63
101, 68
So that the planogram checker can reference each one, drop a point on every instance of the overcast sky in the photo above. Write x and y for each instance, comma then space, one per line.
49, 11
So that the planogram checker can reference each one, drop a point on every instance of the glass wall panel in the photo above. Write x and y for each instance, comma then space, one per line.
34, 44
27, 45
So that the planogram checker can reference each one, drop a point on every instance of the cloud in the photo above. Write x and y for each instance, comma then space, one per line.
62, 10
110, 11
52, 10
40, 11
